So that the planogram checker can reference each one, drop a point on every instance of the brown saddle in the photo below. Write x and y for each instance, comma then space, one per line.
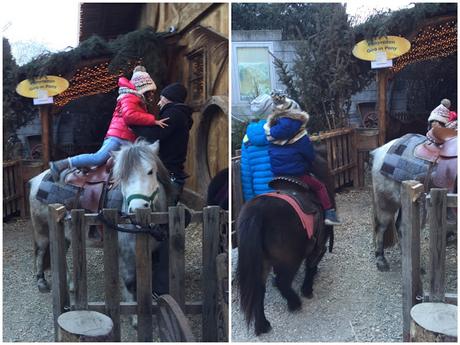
441, 144
301, 192
92, 183
295, 188
440, 149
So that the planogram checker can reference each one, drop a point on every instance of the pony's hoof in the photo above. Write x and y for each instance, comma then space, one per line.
294, 304
307, 293
264, 328
43, 286
382, 265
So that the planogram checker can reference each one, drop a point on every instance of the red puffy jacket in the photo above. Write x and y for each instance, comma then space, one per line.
130, 110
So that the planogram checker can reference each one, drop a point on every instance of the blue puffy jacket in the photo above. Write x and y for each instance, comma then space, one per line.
290, 159
255, 162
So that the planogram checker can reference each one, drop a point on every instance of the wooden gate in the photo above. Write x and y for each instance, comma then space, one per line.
213, 219
411, 204
341, 155
13, 191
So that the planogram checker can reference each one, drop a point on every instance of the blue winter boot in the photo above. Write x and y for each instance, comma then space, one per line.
330, 217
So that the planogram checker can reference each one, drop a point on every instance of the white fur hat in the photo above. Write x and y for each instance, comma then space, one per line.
261, 105
441, 112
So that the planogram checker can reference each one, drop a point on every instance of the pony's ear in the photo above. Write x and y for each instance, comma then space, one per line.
155, 147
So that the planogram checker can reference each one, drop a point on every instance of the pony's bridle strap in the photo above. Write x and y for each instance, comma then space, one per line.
142, 196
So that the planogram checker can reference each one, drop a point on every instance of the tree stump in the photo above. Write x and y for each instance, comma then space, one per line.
84, 326
433, 322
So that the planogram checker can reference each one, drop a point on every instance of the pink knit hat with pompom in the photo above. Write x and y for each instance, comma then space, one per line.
142, 80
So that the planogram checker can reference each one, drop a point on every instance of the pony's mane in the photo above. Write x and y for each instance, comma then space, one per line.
130, 156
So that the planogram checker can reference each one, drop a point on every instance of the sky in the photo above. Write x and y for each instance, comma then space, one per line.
52, 23
55, 25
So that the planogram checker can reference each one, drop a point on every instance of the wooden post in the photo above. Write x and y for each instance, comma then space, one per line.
434, 322
79, 259
410, 250
237, 191
222, 278
438, 232
45, 122
111, 279
211, 222
176, 254
144, 279
382, 78
61, 301
354, 159
84, 326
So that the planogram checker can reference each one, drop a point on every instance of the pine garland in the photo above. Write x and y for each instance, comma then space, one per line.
144, 44
402, 22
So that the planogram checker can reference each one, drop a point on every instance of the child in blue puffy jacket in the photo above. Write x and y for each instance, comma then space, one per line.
292, 154
256, 172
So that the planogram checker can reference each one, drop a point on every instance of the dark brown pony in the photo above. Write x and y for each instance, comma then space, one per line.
270, 234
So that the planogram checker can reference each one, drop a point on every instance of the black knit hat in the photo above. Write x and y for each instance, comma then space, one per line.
175, 92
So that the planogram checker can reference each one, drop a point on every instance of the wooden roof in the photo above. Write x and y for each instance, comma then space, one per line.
108, 20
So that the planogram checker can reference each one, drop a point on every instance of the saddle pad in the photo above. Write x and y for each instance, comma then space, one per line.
400, 164
50, 192
114, 198
306, 219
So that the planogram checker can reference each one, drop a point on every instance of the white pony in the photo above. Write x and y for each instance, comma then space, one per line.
144, 182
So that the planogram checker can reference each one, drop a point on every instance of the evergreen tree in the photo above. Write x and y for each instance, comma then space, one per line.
325, 74
16, 110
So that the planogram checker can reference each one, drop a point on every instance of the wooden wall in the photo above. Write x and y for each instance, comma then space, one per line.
198, 58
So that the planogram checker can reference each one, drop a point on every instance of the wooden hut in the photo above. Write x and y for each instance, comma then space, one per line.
431, 29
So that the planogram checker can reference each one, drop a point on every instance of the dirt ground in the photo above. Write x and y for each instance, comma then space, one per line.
352, 300
28, 315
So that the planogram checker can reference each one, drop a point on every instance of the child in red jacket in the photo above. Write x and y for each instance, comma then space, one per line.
130, 110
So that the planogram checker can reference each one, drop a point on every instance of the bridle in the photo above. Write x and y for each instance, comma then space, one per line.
143, 197
158, 231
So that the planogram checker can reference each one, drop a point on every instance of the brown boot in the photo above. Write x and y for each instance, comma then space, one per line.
57, 167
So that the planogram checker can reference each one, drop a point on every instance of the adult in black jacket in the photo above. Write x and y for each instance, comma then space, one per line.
174, 137
173, 152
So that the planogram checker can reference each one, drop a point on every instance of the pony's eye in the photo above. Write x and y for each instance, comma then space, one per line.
150, 172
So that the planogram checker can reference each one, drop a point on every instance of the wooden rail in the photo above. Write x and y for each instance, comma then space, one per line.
437, 203
212, 218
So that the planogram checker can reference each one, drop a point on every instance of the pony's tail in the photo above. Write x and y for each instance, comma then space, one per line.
250, 267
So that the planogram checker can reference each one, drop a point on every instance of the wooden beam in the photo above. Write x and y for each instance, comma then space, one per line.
382, 79
45, 122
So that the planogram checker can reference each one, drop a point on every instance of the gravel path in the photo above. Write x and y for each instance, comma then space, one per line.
352, 301
28, 314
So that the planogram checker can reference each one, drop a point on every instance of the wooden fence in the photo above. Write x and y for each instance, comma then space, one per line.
213, 219
437, 203
341, 155
13, 189
16, 174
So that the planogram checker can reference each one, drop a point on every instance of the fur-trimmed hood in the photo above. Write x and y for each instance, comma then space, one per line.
292, 114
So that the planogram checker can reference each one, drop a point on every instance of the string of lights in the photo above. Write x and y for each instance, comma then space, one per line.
431, 43
91, 80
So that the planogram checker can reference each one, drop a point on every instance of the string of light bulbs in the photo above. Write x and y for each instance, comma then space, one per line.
431, 43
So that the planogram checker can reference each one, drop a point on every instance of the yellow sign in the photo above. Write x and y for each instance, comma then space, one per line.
392, 46
49, 85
